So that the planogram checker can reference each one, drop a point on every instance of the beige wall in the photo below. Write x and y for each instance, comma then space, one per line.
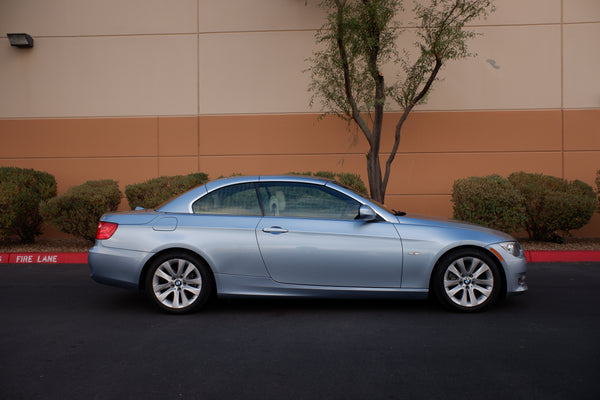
133, 89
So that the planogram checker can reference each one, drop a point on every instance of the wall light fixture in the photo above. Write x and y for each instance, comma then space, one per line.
20, 39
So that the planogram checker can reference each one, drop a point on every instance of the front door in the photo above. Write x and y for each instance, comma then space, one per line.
309, 236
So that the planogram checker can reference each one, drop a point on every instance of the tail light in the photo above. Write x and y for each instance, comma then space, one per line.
106, 230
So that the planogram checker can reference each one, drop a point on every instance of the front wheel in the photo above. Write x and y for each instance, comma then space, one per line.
178, 282
467, 281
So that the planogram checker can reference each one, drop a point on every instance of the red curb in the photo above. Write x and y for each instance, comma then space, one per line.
43, 258
562, 256
82, 258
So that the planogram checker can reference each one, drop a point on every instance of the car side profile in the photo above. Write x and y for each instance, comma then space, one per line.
300, 237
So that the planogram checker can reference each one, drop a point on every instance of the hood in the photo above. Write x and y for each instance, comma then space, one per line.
422, 220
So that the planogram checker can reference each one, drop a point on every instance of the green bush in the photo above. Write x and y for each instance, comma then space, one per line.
553, 204
489, 201
598, 188
353, 181
78, 211
326, 175
152, 193
21, 191
345, 178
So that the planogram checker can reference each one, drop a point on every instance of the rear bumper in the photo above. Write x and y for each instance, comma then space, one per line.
117, 267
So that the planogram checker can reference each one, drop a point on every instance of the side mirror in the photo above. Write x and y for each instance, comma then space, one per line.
367, 214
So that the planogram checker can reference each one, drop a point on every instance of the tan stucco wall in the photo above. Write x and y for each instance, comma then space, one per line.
437, 148
134, 89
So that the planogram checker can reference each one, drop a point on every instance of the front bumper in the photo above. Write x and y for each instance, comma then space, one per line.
515, 270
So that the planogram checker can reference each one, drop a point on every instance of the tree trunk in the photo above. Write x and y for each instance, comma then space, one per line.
374, 172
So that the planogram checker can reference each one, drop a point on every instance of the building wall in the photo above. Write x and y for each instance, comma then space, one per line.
131, 90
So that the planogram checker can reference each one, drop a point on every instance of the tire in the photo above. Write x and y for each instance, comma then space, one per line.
467, 281
179, 282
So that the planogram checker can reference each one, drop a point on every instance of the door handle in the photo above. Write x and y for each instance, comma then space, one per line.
275, 229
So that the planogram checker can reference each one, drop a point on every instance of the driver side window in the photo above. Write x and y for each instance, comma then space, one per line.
301, 200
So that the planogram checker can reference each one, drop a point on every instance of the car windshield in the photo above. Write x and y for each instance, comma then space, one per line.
365, 196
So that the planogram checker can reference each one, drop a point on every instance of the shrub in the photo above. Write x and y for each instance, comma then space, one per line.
553, 204
21, 191
345, 178
78, 211
326, 175
152, 193
598, 188
489, 201
353, 181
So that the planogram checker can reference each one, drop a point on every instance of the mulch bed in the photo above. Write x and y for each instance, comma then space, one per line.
578, 244
47, 245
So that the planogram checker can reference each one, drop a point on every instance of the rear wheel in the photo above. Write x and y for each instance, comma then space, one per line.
179, 282
467, 280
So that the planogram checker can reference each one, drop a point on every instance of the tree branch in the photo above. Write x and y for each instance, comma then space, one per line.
346, 70
404, 116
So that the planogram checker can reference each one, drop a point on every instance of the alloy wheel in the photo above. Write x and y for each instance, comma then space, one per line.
177, 283
468, 282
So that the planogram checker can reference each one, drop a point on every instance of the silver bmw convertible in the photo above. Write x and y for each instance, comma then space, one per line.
300, 236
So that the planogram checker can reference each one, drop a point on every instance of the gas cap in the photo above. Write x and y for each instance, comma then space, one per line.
165, 224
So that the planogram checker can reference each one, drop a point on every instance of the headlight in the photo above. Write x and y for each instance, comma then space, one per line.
513, 248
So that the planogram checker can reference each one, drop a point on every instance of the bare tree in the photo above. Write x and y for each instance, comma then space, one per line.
359, 38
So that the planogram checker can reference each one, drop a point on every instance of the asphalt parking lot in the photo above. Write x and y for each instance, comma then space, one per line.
63, 336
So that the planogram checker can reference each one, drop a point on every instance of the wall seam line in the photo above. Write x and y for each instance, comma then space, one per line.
562, 87
198, 129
